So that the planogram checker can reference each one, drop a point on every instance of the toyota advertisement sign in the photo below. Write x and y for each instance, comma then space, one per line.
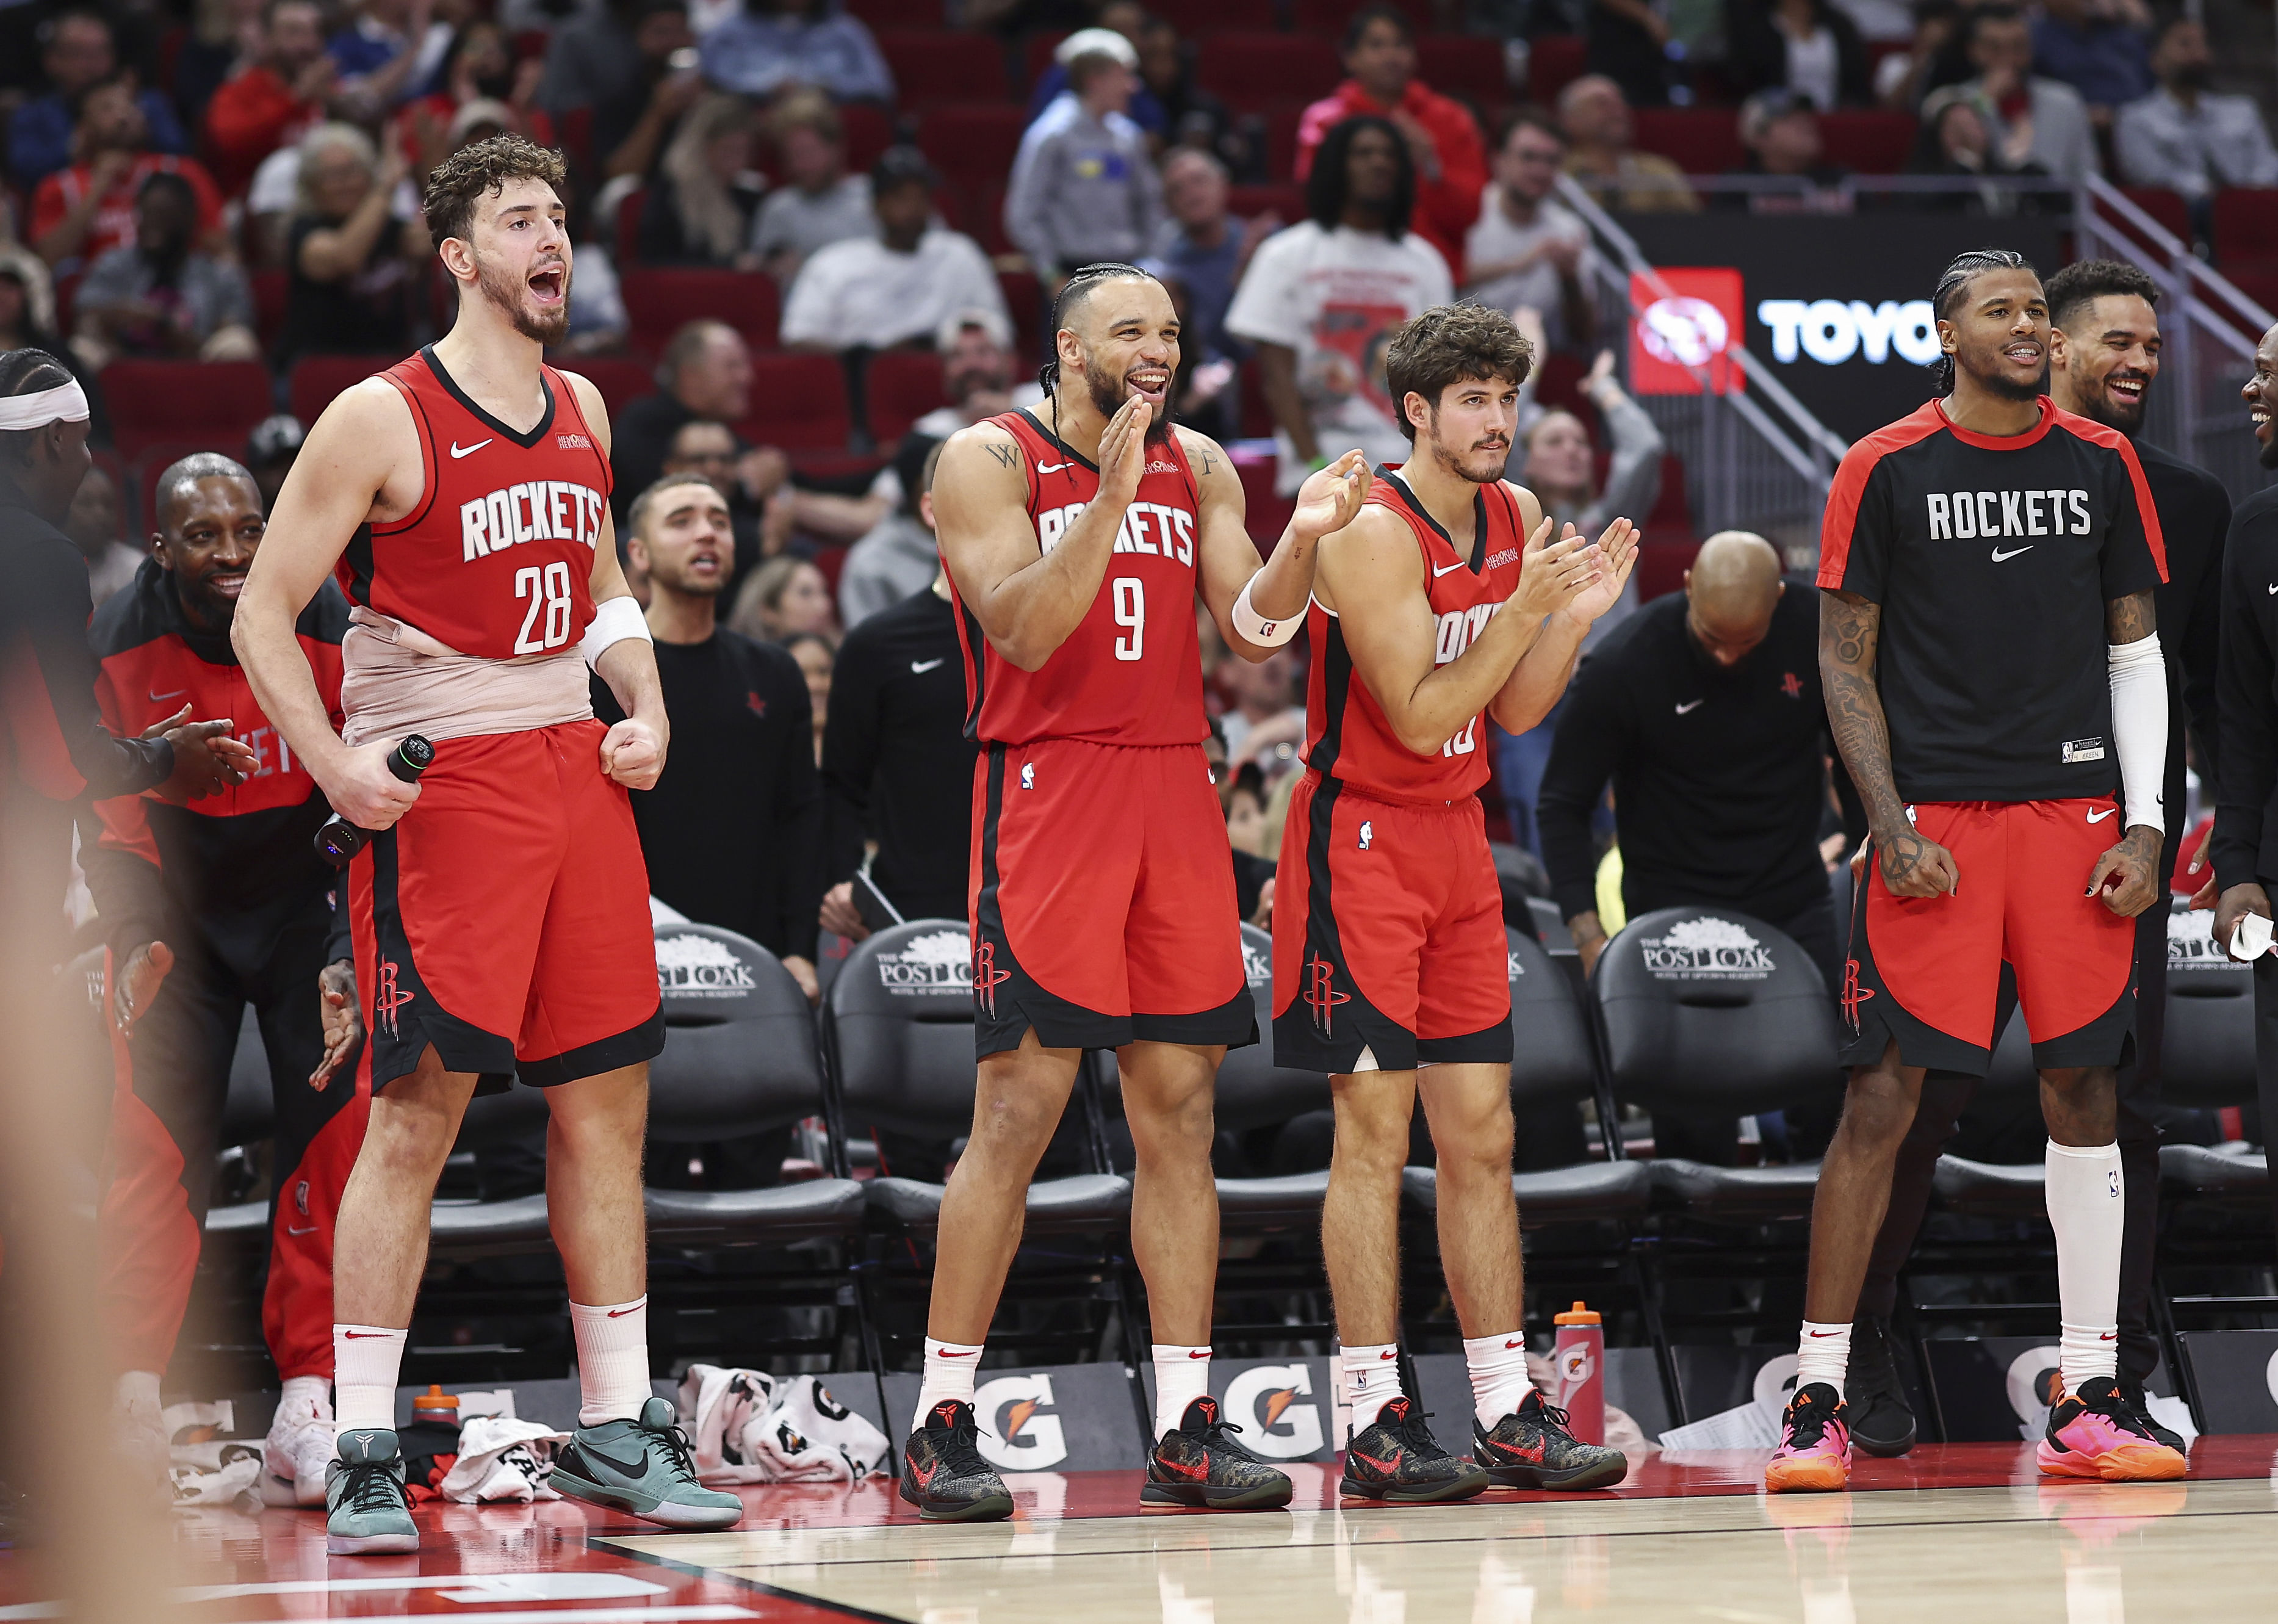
1836, 307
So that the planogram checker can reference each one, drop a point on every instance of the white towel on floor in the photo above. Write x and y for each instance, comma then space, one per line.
749, 1427
503, 1459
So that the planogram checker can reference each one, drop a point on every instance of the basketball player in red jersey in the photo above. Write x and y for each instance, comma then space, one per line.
1443, 603
1077, 537
500, 909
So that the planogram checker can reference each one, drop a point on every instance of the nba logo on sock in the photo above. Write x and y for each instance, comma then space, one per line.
1027, 775
1367, 833
2113, 1176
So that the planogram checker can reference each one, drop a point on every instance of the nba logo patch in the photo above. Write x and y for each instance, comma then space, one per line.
1027, 775
1367, 833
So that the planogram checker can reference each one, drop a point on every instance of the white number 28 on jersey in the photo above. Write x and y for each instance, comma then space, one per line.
547, 591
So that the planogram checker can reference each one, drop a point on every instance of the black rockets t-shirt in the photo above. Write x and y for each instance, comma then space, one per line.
1992, 559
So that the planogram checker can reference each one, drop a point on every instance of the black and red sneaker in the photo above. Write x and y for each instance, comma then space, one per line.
1197, 1464
1396, 1458
943, 1474
1531, 1448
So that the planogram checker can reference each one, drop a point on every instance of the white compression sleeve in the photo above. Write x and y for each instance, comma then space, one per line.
2138, 674
1263, 632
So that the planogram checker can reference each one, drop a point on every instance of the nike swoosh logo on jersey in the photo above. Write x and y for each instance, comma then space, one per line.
175, 694
458, 450
1687, 710
312, 1229
2097, 817
919, 668
2001, 558
1052, 467
1437, 571
2274, 589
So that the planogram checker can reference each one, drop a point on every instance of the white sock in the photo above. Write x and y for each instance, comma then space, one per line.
366, 1361
2088, 1211
1182, 1377
612, 1359
949, 1368
1371, 1381
306, 1396
137, 1391
1499, 1380
1823, 1354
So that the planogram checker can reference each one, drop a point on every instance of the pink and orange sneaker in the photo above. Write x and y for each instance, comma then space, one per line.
1814, 1451
2095, 1432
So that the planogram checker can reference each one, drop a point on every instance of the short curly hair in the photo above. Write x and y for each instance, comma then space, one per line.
477, 170
1452, 343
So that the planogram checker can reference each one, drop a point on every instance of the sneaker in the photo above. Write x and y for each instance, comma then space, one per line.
1881, 1422
1197, 1464
646, 1468
943, 1474
1532, 1449
295, 1456
2096, 1432
2140, 1401
368, 1510
1396, 1458
1815, 1449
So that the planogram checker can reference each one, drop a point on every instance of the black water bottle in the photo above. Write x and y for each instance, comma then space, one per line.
339, 840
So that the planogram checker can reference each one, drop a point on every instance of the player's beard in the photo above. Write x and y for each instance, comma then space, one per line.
1994, 378
1479, 464
2097, 408
508, 293
1109, 393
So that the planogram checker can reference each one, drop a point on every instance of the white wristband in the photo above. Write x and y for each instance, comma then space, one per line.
2137, 675
615, 619
1265, 633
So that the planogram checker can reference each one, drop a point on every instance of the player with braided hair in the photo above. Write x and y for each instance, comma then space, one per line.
1077, 538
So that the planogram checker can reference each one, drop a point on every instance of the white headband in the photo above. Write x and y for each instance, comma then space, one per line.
66, 403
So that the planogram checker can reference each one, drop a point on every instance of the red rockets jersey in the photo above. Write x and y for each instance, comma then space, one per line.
1346, 736
497, 560
1131, 671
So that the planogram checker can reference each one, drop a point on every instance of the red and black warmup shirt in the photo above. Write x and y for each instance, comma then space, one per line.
237, 867
1992, 559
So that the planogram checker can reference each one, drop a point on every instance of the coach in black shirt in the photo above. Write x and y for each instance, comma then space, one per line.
1704, 710
733, 830
897, 766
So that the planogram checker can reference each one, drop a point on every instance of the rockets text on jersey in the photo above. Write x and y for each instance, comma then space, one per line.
497, 558
1347, 735
1131, 671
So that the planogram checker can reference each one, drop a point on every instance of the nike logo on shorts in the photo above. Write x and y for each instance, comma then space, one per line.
2097, 817
1687, 710
1437, 571
919, 668
2001, 558
458, 450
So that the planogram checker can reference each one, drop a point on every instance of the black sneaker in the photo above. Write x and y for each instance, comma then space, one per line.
1882, 1421
1396, 1458
1197, 1464
1532, 1449
2139, 1401
943, 1474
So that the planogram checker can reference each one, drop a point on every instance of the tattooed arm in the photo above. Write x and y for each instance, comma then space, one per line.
2128, 875
1914, 865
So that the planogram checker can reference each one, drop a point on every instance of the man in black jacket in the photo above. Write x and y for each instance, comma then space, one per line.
227, 904
2103, 355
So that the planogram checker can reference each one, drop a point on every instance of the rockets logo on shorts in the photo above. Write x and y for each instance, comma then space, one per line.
387, 998
1321, 994
986, 977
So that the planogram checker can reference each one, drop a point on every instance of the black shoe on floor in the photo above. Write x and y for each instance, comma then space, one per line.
1396, 1458
2139, 1401
1882, 1421
1197, 1464
1532, 1449
943, 1474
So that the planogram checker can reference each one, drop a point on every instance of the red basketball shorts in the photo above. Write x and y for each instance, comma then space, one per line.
1388, 935
1102, 900
504, 920
1925, 971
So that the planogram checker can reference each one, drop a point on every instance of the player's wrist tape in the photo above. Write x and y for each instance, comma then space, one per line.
615, 619
1263, 632
2138, 675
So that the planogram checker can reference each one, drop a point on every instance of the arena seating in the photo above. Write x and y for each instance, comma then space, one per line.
193, 405
659, 300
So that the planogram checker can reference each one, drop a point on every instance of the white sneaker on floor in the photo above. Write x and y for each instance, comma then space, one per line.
300, 1444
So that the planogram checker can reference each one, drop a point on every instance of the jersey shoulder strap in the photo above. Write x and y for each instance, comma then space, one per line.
411, 378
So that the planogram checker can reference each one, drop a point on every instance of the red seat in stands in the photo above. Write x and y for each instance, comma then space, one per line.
2247, 226
192, 405
318, 380
1037, 60
904, 386
2169, 209
1250, 71
1552, 62
799, 402
660, 299
1874, 142
1281, 121
973, 146
620, 381
1699, 141
1327, 17
869, 131
904, 13
1465, 66
1247, 202
940, 69
1208, 16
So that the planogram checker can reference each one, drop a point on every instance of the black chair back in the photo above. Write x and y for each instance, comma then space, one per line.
739, 1048
2207, 1057
1254, 1091
1551, 1062
1708, 1009
898, 1023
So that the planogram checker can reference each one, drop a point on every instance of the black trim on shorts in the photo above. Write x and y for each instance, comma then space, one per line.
629, 1048
1232, 1023
2108, 1041
1491, 1045
1324, 1028
402, 1017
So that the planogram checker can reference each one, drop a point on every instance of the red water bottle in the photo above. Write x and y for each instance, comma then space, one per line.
1579, 1359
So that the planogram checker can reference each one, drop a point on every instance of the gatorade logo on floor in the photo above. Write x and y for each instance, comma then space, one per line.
1272, 1405
1019, 1432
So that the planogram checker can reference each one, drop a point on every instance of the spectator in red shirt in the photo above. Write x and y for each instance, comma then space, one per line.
85, 210
278, 100
1450, 156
